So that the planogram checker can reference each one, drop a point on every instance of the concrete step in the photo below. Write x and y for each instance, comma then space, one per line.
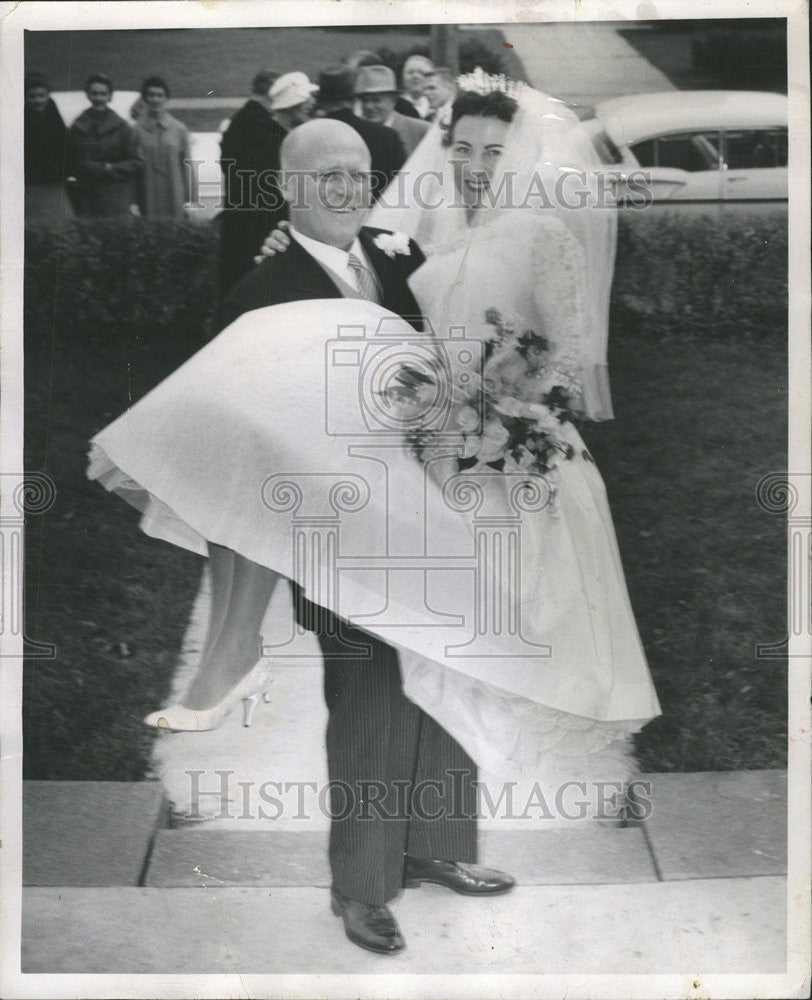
734, 926
590, 855
717, 824
89, 833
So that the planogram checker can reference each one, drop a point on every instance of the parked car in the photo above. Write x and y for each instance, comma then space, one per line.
695, 146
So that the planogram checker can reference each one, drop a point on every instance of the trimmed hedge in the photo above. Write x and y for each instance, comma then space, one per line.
676, 275
105, 278
705, 276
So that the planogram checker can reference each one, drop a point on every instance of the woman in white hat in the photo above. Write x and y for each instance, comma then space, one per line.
292, 100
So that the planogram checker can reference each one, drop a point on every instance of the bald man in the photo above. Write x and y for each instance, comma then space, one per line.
326, 173
408, 786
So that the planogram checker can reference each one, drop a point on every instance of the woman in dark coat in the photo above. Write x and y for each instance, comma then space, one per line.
47, 156
104, 147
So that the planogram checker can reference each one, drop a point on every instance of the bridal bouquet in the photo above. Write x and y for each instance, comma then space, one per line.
509, 414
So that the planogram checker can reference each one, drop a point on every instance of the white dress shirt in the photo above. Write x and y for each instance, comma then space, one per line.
334, 258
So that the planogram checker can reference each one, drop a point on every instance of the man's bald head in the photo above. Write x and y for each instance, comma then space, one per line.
306, 144
326, 180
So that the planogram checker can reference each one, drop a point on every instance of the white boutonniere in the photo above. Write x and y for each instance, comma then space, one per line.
392, 243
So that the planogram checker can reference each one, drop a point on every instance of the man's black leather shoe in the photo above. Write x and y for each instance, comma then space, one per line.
470, 880
370, 927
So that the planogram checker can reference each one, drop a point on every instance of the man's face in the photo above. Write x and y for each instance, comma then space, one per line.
414, 73
377, 107
330, 198
437, 91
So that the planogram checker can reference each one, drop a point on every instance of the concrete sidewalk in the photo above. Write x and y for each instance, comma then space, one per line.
200, 872
708, 926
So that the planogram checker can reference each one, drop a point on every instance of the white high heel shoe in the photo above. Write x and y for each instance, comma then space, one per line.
252, 688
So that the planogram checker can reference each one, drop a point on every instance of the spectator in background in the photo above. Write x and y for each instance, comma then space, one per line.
167, 181
104, 151
376, 88
138, 108
292, 101
335, 100
413, 77
47, 156
249, 150
364, 57
441, 89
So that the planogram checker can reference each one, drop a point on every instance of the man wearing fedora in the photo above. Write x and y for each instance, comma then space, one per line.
377, 90
335, 100
249, 159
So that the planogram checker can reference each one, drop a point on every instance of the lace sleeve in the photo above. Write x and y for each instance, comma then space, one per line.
559, 266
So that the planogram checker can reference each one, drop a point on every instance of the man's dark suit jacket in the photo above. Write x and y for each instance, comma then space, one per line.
253, 203
406, 108
294, 275
385, 148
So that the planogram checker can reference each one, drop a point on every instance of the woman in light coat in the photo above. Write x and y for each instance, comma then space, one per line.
168, 180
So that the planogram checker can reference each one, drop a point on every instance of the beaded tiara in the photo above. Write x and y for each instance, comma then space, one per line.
485, 83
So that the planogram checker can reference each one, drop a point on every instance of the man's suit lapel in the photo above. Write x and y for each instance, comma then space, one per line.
309, 279
392, 273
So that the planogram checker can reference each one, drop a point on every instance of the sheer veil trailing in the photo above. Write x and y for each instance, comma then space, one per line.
549, 167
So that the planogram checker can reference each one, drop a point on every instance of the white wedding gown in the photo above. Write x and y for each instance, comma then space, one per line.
513, 623
572, 714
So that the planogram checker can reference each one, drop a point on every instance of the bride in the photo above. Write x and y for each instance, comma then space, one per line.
513, 223
520, 641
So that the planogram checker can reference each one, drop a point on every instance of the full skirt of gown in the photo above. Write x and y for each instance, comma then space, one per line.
509, 609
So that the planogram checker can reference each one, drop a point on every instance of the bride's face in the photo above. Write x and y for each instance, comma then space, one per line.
477, 146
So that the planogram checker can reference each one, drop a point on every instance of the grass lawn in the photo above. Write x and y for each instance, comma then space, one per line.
697, 424
114, 602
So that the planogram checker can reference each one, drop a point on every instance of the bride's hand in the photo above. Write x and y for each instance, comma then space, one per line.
277, 242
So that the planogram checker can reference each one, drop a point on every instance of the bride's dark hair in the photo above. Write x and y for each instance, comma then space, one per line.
496, 104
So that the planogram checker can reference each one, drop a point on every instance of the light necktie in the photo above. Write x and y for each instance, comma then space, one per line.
367, 285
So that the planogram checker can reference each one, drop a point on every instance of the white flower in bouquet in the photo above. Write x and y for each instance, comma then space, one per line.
469, 382
468, 419
511, 407
509, 368
393, 243
494, 438
545, 419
